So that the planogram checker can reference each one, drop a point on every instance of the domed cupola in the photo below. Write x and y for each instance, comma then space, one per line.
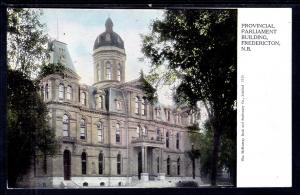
109, 37
109, 57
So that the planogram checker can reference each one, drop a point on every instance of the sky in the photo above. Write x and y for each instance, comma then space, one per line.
78, 28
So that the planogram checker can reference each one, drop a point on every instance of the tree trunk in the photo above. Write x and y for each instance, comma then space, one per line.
214, 165
233, 174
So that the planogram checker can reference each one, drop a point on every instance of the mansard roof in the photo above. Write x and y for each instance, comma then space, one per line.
59, 53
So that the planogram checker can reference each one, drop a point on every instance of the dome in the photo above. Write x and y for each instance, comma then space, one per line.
109, 37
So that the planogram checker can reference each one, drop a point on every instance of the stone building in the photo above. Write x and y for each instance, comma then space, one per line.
109, 134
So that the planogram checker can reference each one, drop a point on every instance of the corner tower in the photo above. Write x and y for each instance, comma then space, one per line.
109, 57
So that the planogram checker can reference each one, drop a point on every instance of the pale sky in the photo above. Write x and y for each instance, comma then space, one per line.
80, 27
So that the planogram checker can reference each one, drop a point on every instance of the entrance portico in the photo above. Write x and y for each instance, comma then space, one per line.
145, 148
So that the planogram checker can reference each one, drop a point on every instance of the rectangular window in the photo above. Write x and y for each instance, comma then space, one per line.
69, 93
66, 129
118, 132
118, 138
100, 132
82, 133
119, 164
83, 168
61, 91
82, 129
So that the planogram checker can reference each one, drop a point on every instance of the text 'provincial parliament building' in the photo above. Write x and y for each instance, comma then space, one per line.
108, 133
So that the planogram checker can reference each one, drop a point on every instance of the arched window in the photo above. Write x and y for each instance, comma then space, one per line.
66, 125
83, 98
119, 72
82, 129
168, 165
143, 107
118, 132
119, 164
61, 91
46, 91
137, 105
100, 131
108, 70
138, 130
178, 166
101, 163
167, 139
177, 140
69, 93
157, 163
100, 102
83, 163
99, 72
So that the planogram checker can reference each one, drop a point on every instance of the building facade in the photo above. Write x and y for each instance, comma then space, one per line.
109, 134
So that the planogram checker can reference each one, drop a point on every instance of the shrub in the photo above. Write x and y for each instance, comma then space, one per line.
187, 184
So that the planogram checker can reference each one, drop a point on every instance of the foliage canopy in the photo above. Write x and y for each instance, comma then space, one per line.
28, 130
198, 48
26, 40
28, 133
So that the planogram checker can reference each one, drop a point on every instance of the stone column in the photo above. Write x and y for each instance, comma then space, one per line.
146, 160
144, 174
143, 159
161, 175
161, 160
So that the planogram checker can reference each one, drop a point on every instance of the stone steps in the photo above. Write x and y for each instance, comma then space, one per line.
69, 184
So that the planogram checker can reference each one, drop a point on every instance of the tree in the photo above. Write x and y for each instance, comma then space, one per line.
26, 40
28, 133
198, 48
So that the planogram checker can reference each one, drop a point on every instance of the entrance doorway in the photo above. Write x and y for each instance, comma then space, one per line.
67, 165
140, 166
